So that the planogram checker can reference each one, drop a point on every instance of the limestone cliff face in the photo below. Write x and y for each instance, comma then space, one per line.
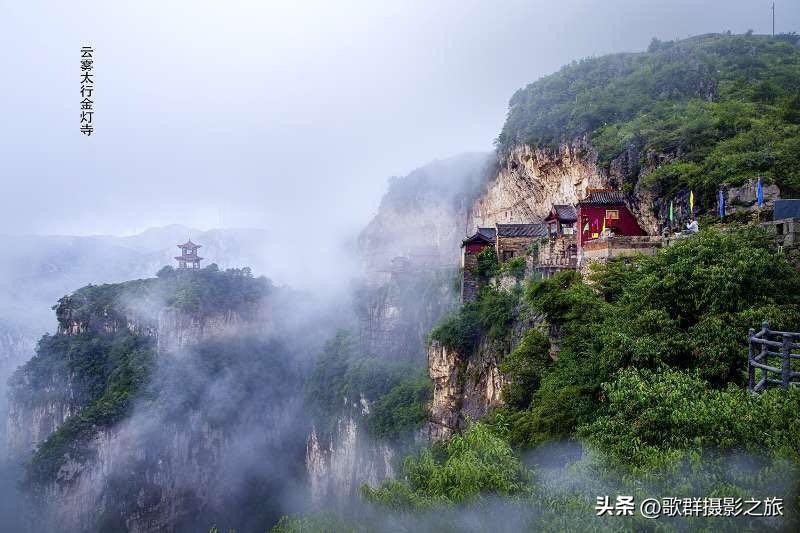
395, 314
410, 252
32, 420
464, 386
178, 330
422, 216
530, 180
17, 344
338, 465
177, 464
167, 487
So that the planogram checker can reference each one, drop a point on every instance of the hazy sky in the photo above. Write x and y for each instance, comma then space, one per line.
282, 114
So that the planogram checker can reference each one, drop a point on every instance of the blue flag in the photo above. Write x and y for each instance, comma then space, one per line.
760, 193
721, 205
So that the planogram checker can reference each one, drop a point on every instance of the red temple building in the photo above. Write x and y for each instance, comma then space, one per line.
560, 250
605, 209
189, 258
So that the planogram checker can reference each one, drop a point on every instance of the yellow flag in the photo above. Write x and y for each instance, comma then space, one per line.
691, 201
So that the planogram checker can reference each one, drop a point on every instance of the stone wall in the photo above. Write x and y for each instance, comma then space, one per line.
518, 246
607, 248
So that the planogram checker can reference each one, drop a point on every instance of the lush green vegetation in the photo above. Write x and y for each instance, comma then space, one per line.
650, 419
199, 292
108, 371
725, 107
687, 308
649, 378
342, 376
402, 409
491, 315
487, 265
475, 464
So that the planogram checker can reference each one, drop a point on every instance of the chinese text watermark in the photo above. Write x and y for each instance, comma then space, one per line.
87, 90
690, 507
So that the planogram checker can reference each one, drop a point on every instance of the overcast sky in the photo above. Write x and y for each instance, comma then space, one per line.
282, 114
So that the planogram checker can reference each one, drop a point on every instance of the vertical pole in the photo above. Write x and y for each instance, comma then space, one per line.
786, 369
773, 19
751, 370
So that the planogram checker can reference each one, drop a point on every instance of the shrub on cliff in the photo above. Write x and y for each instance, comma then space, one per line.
524, 368
651, 419
475, 464
491, 315
342, 376
402, 410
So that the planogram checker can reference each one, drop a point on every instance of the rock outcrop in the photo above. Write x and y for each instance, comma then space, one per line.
343, 461
178, 330
464, 386
531, 180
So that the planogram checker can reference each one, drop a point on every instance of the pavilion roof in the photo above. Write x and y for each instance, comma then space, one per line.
485, 235
562, 212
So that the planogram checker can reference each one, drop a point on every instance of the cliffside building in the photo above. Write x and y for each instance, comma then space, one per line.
608, 230
560, 250
605, 209
508, 240
189, 258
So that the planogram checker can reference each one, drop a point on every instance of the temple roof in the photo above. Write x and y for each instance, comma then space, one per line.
522, 230
562, 212
489, 233
190, 258
190, 244
603, 198
485, 235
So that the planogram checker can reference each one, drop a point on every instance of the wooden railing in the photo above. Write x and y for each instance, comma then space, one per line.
766, 346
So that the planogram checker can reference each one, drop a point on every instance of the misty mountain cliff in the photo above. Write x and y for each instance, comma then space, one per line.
410, 255
705, 114
162, 403
38, 270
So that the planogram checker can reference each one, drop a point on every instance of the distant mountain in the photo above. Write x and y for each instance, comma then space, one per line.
36, 270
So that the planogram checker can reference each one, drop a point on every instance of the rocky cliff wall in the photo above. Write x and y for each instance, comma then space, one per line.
465, 386
178, 330
530, 180
340, 463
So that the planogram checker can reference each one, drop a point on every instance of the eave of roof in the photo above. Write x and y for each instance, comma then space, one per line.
603, 198
522, 230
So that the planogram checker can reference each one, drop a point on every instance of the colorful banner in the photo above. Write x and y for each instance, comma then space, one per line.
760, 193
